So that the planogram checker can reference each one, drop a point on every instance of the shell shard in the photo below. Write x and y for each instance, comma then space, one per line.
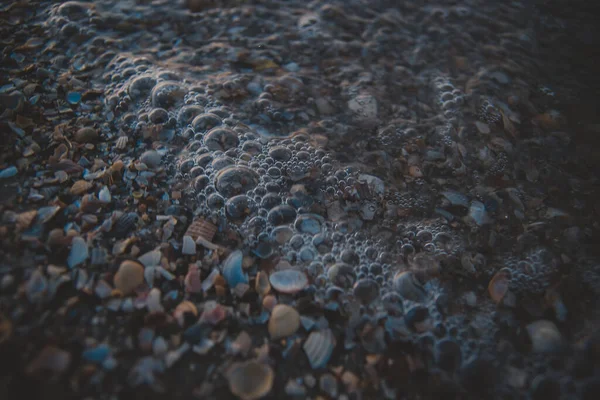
319, 347
232, 269
201, 228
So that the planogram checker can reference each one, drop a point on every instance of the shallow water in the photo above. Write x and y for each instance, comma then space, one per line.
427, 170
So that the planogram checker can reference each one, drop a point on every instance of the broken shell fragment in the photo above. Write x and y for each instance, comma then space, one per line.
201, 228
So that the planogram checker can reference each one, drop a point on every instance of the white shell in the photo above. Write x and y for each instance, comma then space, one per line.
189, 246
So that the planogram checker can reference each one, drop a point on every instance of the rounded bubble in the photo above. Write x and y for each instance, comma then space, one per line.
203, 122
215, 201
240, 206
158, 116
366, 290
274, 172
350, 257
187, 113
196, 171
203, 160
235, 180
281, 215
296, 242
221, 139
167, 94
252, 146
309, 223
307, 254
201, 182
222, 162
141, 86
282, 234
280, 153
341, 275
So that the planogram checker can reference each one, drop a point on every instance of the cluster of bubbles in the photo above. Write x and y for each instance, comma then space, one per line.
532, 273
449, 98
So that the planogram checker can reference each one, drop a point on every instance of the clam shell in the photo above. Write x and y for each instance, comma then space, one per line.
284, 321
288, 281
319, 347
201, 228
80, 187
250, 380
129, 276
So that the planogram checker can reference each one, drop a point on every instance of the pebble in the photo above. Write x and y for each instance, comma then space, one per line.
284, 321
250, 380
129, 276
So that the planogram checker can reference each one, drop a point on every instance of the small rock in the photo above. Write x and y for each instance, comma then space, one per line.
284, 321
86, 135
129, 276
151, 158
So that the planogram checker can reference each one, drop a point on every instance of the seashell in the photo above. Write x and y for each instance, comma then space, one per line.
189, 246
408, 286
545, 336
213, 313
201, 228
499, 285
129, 276
366, 290
319, 347
284, 321
185, 307
125, 223
68, 166
121, 142
45, 214
89, 203
192, 280
153, 300
288, 281
36, 287
269, 302
262, 285
79, 252
415, 171
342, 275
250, 380
25, 219
104, 195
232, 269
